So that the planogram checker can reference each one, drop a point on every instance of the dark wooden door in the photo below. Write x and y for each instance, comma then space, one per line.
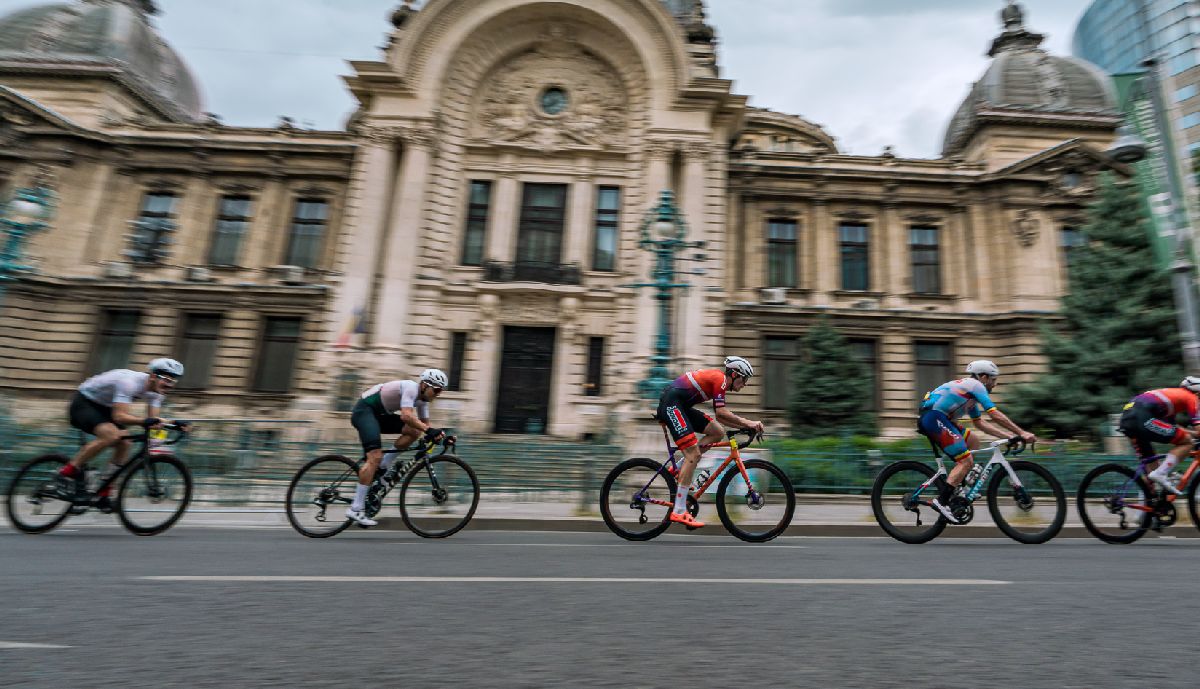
526, 363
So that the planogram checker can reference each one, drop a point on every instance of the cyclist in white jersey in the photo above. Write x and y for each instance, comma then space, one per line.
103, 407
398, 406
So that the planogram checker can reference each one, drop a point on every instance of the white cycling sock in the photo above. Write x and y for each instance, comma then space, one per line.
681, 499
360, 497
1165, 468
388, 458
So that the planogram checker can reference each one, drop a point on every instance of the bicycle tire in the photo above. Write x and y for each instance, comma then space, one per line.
1193, 508
1011, 529
789, 493
652, 477
429, 467
147, 466
878, 505
1090, 524
338, 465
12, 495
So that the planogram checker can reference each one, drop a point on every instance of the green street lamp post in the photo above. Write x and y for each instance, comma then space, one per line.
664, 233
29, 211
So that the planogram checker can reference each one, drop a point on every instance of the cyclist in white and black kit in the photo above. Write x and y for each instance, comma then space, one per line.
398, 406
103, 407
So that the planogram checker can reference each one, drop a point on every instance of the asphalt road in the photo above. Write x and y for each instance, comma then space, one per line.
268, 608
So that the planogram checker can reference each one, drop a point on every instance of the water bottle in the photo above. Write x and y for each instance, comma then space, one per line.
91, 479
701, 477
973, 475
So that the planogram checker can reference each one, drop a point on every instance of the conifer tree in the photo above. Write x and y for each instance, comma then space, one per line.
829, 386
1118, 336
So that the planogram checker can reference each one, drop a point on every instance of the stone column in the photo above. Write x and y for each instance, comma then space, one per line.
577, 240
895, 253
362, 225
501, 235
563, 420
403, 240
686, 338
825, 280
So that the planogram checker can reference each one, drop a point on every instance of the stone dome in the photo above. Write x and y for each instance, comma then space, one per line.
1025, 78
112, 33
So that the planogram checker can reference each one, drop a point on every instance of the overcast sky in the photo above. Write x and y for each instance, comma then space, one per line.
872, 72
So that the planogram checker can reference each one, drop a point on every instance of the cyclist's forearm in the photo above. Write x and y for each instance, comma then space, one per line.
1006, 423
728, 418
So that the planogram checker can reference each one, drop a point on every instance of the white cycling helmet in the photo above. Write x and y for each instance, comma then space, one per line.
434, 378
1191, 383
739, 366
983, 367
168, 367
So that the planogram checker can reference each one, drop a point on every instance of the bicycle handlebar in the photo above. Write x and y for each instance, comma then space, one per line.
751, 435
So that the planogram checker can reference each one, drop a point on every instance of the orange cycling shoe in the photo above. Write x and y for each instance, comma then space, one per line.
686, 519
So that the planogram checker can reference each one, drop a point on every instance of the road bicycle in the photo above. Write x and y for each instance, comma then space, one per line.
438, 493
1025, 500
153, 488
1119, 505
755, 499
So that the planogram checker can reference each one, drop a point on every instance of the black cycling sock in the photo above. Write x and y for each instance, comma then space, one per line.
945, 490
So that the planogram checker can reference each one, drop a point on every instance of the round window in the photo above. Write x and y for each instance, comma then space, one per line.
554, 100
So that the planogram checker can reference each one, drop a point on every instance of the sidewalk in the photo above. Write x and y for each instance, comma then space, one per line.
830, 516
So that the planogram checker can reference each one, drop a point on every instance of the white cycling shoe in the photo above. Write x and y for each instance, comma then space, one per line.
359, 517
1164, 482
944, 511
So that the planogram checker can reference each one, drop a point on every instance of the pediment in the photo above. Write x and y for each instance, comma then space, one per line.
1071, 167
20, 115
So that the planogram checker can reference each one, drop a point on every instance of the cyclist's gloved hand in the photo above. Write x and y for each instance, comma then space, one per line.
151, 421
434, 434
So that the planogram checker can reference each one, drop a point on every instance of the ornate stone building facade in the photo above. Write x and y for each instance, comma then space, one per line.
481, 214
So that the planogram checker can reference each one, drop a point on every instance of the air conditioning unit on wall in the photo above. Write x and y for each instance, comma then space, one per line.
197, 274
773, 295
118, 270
290, 275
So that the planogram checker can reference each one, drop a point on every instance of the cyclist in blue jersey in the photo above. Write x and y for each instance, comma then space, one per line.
938, 422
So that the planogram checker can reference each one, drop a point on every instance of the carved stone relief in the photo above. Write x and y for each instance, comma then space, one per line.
555, 95
1026, 228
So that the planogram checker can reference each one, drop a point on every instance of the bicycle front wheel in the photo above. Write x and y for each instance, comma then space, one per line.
636, 499
758, 510
319, 494
154, 494
34, 503
901, 506
1033, 512
438, 496
1114, 506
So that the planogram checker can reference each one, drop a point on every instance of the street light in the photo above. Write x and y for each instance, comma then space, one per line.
664, 233
29, 210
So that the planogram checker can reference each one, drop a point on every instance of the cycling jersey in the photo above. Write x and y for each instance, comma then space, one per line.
119, 386
958, 396
391, 397
1167, 403
701, 386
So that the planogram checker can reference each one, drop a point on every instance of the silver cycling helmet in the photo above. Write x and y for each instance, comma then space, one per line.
739, 366
983, 367
166, 367
1191, 383
434, 378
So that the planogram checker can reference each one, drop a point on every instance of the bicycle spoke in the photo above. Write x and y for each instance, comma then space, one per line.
439, 497
319, 494
636, 499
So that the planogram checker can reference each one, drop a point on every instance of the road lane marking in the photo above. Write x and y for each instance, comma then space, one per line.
18, 644
586, 545
572, 580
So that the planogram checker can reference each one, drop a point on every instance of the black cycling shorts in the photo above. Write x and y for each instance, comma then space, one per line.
371, 425
682, 421
86, 414
1143, 427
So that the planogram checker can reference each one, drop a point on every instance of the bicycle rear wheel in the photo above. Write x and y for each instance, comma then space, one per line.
1114, 506
636, 499
438, 496
760, 510
897, 503
318, 495
154, 494
1033, 513
34, 503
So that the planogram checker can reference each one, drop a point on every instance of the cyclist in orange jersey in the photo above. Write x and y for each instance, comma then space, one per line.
1150, 418
676, 410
